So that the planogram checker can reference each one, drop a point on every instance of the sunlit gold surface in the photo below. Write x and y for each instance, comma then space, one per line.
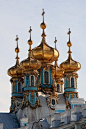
30, 64
15, 71
43, 25
58, 72
45, 53
17, 50
70, 65
30, 42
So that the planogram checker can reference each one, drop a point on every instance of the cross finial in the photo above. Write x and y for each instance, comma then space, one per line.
30, 32
69, 34
17, 50
17, 38
55, 42
43, 14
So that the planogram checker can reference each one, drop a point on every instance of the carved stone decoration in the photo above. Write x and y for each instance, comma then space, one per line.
77, 94
72, 95
14, 83
52, 100
67, 81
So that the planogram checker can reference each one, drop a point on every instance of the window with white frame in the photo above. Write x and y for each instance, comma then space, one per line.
72, 82
46, 76
32, 80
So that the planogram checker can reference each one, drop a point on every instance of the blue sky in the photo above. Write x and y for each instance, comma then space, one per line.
15, 19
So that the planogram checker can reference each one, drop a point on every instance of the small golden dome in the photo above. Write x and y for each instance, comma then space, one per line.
58, 72
69, 44
43, 25
16, 71
17, 50
70, 65
30, 42
30, 63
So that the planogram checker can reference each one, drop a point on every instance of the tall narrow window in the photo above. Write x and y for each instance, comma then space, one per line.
72, 82
46, 77
57, 87
19, 87
32, 80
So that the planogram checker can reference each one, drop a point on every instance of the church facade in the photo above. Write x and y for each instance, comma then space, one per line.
39, 100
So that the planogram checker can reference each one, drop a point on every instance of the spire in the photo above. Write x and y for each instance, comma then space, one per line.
69, 34
56, 65
55, 42
30, 42
43, 25
17, 51
69, 44
43, 15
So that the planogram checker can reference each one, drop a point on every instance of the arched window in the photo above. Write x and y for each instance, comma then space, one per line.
19, 87
72, 82
57, 87
32, 80
46, 77
53, 101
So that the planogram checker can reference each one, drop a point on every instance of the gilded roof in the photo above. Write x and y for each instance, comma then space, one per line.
70, 65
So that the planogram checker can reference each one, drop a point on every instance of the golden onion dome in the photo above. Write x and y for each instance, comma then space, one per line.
16, 71
44, 52
70, 65
58, 72
30, 63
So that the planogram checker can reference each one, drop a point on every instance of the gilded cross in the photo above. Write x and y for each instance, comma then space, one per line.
30, 32
17, 38
69, 34
43, 14
55, 42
